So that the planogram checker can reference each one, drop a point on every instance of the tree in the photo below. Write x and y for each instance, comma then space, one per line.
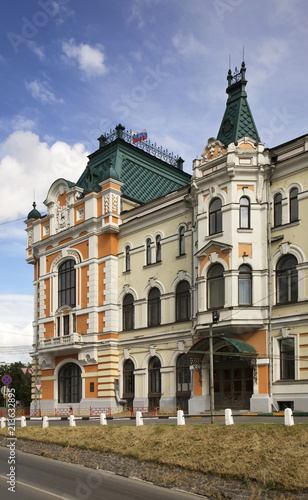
20, 382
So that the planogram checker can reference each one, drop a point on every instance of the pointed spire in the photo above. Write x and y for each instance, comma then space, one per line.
238, 121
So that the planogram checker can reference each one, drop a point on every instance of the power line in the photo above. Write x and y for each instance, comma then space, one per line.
14, 220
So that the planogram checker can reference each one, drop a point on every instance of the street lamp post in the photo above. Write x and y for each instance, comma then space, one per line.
215, 319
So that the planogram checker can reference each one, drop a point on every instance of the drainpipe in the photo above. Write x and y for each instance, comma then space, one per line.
269, 236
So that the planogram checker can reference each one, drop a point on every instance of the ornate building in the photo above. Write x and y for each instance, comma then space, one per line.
134, 260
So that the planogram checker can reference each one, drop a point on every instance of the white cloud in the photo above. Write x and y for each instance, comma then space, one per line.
29, 165
16, 334
188, 45
90, 60
39, 51
40, 91
20, 122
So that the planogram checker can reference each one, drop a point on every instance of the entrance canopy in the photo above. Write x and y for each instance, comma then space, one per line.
236, 346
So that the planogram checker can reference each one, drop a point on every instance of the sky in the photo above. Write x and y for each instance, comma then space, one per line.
72, 70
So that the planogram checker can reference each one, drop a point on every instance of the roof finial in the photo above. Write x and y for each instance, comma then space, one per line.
243, 54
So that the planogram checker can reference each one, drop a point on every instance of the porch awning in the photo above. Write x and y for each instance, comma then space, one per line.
197, 351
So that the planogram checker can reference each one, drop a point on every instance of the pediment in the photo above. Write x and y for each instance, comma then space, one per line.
213, 245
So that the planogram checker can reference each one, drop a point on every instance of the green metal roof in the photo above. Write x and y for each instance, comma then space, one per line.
201, 347
240, 345
237, 121
34, 214
145, 177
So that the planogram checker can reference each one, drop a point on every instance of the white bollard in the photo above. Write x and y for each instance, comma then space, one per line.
72, 421
288, 417
45, 422
139, 419
180, 417
228, 417
102, 419
23, 422
2, 422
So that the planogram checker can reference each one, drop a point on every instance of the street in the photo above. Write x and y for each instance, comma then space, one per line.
40, 477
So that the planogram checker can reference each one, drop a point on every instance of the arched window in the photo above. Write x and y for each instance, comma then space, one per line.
182, 241
215, 287
244, 213
128, 382
215, 216
286, 279
127, 259
158, 248
69, 384
154, 382
148, 252
183, 384
154, 307
128, 312
182, 299
293, 205
244, 285
67, 284
277, 210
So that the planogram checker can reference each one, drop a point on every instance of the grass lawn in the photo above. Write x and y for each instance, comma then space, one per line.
272, 454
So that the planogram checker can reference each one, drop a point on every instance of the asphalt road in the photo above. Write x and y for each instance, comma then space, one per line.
40, 478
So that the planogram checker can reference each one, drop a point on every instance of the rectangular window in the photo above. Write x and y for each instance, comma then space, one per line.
91, 386
287, 359
66, 325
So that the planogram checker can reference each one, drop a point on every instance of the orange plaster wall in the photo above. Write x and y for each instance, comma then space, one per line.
100, 206
67, 240
245, 248
246, 145
82, 325
49, 330
197, 385
62, 199
84, 287
107, 244
89, 394
58, 359
239, 187
221, 255
83, 248
258, 340
49, 261
47, 389
263, 379
110, 185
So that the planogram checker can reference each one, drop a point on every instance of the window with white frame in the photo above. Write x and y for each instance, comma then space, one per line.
293, 201
286, 279
158, 248
182, 241
287, 358
215, 287
244, 213
244, 285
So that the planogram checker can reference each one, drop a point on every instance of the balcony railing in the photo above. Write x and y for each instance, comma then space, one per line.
64, 340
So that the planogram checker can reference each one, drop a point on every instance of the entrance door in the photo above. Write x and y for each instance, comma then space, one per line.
233, 385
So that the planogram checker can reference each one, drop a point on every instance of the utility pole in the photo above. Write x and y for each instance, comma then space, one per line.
215, 319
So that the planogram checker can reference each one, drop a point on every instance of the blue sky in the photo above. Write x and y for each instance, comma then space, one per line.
73, 69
